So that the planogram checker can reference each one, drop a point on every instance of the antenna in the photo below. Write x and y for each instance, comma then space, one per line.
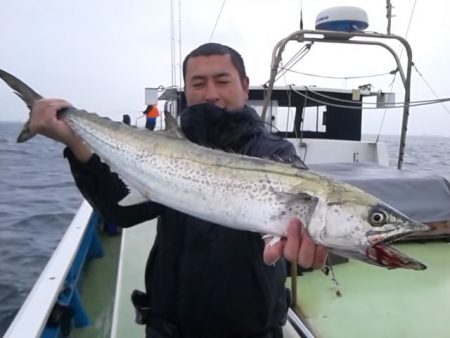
179, 44
389, 15
301, 15
172, 43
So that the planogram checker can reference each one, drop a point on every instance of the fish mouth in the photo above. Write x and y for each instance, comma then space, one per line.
387, 237
392, 258
392, 233
381, 251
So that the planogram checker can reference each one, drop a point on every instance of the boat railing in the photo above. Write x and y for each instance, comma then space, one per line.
57, 287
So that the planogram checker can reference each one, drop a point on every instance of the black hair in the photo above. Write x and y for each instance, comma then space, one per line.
213, 48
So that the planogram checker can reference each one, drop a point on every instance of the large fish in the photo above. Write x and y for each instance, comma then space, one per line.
238, 191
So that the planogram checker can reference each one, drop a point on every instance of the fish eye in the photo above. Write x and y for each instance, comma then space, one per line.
377, 218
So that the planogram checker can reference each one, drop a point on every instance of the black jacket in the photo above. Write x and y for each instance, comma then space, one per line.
200, 275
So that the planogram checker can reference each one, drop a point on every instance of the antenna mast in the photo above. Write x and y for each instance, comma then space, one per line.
179, 44
389, 15
172, 44
301, 15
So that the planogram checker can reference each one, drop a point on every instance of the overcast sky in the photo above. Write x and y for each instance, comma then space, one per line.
101, 54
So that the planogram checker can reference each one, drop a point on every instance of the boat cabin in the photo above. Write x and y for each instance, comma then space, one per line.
330, 113
324, 124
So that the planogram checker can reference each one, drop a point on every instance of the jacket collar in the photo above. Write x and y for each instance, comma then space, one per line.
212, 126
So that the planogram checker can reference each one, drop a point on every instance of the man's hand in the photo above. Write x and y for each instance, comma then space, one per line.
44, 121
296, 247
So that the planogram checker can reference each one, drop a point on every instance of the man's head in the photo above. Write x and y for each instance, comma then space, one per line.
214, 73
126, 119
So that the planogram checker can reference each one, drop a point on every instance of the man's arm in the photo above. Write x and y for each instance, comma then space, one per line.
298, 245
104, 189
44, 121
101, 188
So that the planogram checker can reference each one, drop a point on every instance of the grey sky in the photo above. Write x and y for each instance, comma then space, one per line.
101, 54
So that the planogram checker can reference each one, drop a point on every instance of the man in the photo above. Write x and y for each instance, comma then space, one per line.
202, 279
151, 113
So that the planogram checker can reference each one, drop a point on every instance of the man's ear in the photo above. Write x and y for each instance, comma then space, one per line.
246, 84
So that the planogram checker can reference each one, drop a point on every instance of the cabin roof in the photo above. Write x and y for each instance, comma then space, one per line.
171, 92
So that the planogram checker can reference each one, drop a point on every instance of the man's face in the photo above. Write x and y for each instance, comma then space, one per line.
214, 79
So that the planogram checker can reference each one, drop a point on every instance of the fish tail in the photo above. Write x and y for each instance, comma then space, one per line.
28, 95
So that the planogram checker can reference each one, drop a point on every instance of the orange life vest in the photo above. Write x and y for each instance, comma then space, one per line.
153, 113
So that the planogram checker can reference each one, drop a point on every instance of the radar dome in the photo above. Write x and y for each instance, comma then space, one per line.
342, 19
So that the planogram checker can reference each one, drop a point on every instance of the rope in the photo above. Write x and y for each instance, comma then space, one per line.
395, 105
217, 20
339, 77
429, 87
293, 61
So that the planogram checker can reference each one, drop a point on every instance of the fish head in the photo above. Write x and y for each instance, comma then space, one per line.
363, 227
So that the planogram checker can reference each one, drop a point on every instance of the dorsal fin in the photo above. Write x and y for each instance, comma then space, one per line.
172, 127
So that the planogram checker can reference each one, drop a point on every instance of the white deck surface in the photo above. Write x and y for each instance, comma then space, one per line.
135, 248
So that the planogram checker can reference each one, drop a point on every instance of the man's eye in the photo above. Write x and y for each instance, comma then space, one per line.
198, 84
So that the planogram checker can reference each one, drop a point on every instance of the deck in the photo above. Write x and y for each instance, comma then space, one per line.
377, 302
136, 244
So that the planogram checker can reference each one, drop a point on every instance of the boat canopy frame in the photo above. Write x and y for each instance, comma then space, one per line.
348, 37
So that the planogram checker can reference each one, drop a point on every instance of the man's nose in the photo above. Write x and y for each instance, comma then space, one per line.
211, 94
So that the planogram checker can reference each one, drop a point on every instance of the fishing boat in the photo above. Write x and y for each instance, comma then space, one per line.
84, 290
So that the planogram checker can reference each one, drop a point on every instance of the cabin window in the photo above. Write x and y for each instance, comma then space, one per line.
314, 119
283, 119
271, 115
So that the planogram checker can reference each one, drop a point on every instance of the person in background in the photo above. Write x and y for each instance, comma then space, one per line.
126, 119
151, 113
202, 280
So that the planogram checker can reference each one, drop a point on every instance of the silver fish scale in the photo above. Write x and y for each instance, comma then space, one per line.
248, 200
189, 180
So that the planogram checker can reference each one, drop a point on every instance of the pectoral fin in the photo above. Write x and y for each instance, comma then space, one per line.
133, 197
297, 197
292, 197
